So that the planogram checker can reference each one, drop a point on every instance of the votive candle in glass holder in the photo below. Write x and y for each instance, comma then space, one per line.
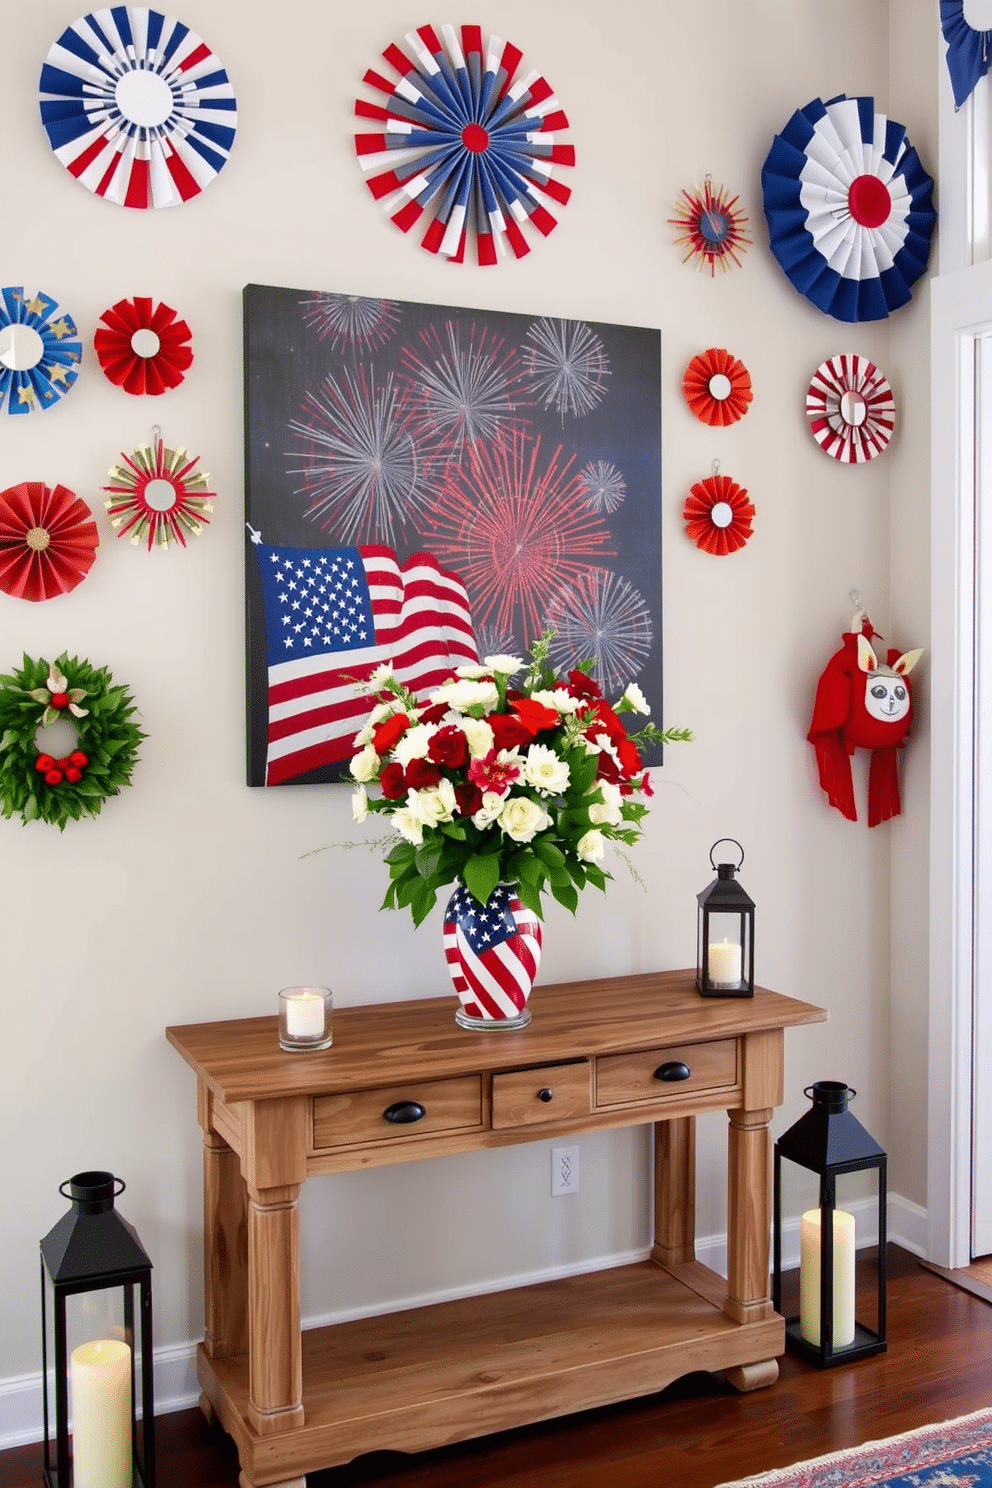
305, 1018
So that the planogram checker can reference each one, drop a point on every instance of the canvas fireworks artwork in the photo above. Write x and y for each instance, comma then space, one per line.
431, 485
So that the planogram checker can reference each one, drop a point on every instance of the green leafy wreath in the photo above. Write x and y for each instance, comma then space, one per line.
41, 787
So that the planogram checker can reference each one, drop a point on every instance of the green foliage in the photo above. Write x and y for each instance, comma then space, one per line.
106, 733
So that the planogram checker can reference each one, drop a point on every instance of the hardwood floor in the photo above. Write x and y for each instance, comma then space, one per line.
696, 1434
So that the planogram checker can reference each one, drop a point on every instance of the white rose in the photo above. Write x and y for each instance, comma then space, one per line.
435, 804
635, 698
408, 824
365, 766
479, 735
607, 812
557, 698
464, 693
492, 805
414, 744
592, 846
507, 666
545, 770
522, 818
359, 803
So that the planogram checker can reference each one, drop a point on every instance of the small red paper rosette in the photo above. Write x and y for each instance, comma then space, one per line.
717, 387
158, 495
851, 409
143, 349
48, 540
718, 515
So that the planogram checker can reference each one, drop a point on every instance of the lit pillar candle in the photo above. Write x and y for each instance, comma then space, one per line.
100, 1377
809, 1278
305, 1015
724, 963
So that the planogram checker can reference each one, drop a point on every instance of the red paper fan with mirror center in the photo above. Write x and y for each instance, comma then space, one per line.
717, 387
143, 349
718, 515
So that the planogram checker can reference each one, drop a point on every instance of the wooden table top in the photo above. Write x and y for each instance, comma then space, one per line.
382, 1043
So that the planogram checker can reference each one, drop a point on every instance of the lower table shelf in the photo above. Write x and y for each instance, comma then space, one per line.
415, 1380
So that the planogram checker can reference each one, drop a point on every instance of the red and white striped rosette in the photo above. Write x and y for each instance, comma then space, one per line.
850, 408
493, 952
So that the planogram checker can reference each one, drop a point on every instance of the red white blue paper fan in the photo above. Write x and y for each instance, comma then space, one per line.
39, 351
969, 51
849, 208
712, 228
464, 143
851, 409
137, 107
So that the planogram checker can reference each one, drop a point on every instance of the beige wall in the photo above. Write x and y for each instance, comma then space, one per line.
190, 897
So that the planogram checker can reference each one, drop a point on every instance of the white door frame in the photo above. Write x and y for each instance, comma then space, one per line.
961, 311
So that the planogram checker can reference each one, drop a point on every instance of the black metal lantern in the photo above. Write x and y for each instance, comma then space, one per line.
92, 1249
725, 944
830, 1142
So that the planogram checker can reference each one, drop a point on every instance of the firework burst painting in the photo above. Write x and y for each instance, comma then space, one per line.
521, 452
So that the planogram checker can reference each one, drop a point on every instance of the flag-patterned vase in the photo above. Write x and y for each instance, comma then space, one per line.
493, 953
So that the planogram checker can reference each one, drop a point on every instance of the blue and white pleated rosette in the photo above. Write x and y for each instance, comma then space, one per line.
137, 107
849, 208
969, 50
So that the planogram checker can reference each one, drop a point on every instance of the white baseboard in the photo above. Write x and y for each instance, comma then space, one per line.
176, 1386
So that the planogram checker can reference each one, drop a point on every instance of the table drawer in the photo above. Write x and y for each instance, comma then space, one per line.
418, 1109
626, 1079
551, 1092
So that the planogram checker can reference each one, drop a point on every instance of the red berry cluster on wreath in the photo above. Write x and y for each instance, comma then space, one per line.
57, 770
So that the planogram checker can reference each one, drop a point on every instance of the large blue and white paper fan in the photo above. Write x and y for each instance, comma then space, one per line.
849, 208
137, 107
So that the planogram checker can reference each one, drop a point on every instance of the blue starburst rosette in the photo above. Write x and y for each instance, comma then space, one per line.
465, 143
39, 351
849, 208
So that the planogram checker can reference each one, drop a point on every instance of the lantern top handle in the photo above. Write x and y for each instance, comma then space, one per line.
92, 1192
736, 844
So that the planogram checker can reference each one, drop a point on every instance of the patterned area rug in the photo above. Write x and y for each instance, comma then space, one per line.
953, 1454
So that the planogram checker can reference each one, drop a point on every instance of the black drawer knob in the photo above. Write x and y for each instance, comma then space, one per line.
673, 1070
401, 1113
545, 1095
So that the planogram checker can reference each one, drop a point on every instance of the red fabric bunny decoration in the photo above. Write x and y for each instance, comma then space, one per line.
862, 703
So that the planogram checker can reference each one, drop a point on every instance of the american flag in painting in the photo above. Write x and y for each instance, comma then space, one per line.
493, 952
331, 616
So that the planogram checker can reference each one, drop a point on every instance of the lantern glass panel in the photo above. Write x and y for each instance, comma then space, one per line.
728, 948
855, 1230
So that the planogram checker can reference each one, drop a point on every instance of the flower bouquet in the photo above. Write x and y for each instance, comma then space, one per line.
506, 790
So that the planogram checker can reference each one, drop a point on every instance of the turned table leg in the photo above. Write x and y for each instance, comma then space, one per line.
674, 1191
275, 1370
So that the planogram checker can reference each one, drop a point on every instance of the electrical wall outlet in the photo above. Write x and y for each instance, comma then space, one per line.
564, 1171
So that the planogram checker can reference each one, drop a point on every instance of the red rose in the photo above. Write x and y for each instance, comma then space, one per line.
392, 782
581, 685
420, 775
508, 730
469, 798
630, 759
389, 732
449, 747
608, 769
535, 716
605, 721
434, 713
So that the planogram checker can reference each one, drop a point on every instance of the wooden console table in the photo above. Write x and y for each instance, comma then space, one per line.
402, 1082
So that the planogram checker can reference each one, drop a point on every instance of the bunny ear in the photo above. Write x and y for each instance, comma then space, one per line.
867, 660
907, 661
